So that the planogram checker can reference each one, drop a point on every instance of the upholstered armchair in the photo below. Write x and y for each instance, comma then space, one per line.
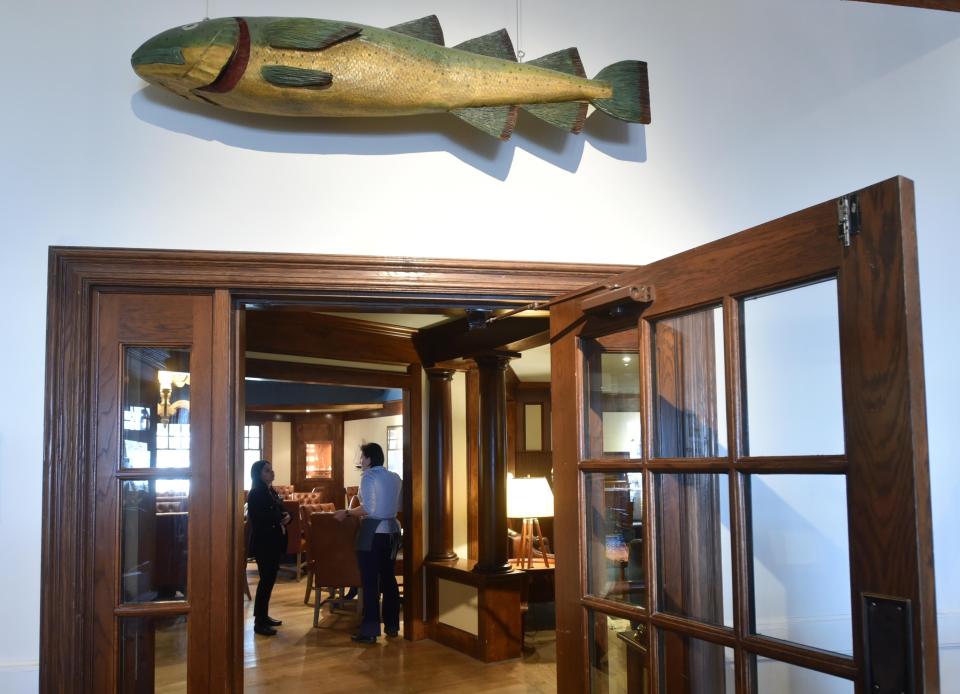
332, 547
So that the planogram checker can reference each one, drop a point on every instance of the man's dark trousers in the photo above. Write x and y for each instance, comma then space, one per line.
376, 573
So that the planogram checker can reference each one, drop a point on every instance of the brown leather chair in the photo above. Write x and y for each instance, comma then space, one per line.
284, 490
306, 510
332, 546
307, 497
351, 497
294, 544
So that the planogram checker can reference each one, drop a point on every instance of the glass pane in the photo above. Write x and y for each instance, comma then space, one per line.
533, 427
612, 402
693, 547
618, 655
615, 566
156, 408
319, 459
801, 559
689, 403
153, 655
774, 677
693, 666
791, 356
153, 535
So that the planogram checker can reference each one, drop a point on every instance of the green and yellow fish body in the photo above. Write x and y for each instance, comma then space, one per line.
316, 67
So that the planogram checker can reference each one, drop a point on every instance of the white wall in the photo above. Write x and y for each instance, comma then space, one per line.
357, 432
760, 107
281, 450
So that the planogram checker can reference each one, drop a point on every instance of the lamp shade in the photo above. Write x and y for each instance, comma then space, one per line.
529, 497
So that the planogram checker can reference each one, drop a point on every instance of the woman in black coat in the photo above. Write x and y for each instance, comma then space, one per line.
268, 541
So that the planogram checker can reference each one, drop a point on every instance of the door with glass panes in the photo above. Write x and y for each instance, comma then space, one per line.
151, 538
743, 438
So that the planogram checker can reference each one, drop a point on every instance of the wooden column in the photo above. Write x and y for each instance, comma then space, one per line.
440, 465
492, 475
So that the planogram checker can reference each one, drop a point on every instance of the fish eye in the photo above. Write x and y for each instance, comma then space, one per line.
188, 27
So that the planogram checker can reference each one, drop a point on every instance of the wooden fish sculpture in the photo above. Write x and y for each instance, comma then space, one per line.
318, 67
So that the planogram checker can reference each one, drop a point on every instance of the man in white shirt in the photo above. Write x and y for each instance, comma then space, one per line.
377, 543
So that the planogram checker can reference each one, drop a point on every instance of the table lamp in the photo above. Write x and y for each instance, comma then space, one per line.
531, 499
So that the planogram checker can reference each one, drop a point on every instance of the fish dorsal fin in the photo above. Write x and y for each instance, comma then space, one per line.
496, 44
308, 34
567, 60
498, 121
287, 76
570, 116
425, 29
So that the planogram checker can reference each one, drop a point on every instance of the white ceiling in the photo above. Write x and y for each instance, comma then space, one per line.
533, 365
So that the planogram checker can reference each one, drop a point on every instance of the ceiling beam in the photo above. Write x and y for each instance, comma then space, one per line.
297, 372
949, 5
455, 339
317, 408
309, 334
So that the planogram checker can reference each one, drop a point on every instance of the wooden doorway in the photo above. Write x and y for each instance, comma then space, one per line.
719, 526
82, 635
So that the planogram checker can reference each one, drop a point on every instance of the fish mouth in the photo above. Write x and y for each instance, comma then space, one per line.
191, 57
234, 69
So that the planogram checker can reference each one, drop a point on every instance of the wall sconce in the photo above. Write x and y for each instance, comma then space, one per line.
168, 381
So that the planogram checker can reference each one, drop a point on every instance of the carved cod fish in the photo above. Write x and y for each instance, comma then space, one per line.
319, 67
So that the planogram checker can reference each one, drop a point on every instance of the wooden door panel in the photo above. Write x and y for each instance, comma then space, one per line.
158, 324
884, 464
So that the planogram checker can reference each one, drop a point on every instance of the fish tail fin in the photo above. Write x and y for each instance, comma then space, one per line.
631, 91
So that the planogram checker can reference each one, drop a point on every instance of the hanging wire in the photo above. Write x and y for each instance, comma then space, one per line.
520, 53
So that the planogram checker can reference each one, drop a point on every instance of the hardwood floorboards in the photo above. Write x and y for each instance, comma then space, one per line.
302, 658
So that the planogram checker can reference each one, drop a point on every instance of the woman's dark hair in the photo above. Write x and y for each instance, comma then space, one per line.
373, 452
255, 471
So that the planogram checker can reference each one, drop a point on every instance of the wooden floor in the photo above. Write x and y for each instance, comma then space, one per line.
302, 658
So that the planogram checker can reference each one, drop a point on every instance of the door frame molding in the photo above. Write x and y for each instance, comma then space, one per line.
75, 274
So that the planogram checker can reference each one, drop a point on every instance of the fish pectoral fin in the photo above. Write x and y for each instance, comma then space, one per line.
425, 29
566, 61
498, 121
570, 116
286, 76
496, 44
308, 34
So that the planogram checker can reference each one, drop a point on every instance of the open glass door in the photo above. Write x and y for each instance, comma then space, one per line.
743, 438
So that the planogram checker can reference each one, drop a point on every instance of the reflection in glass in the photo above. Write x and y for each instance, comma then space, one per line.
612, 402
774, 677
693, 547
618, 655
801, 560
153, 655
689, 403
791, 357
154, 526
615, 566
693, 666
156, 408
